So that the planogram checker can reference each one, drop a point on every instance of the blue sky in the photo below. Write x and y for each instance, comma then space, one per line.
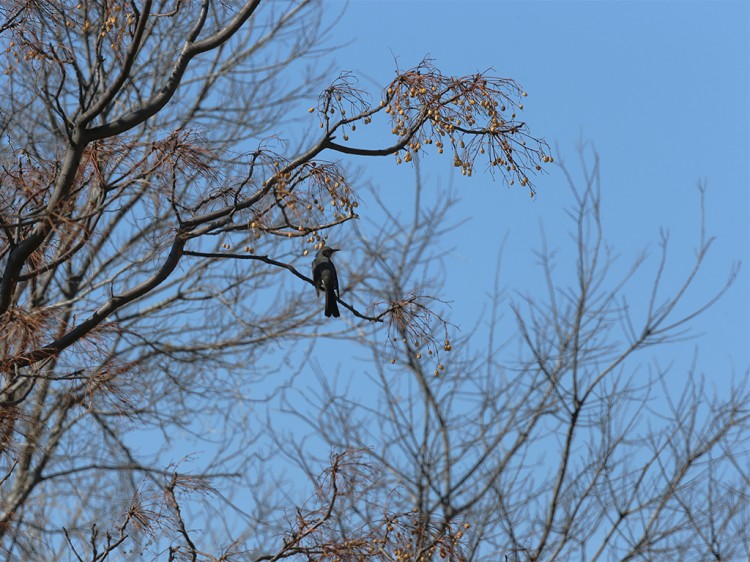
660, 89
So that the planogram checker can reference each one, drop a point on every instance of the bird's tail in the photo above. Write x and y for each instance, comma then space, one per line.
332, 307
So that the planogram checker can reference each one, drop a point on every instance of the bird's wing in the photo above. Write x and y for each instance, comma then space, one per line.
335, 279
316, 267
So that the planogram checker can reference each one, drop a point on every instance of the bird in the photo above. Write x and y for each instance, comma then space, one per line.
326, 280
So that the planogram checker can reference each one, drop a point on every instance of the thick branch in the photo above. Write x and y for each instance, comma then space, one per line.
113, 304
20, 253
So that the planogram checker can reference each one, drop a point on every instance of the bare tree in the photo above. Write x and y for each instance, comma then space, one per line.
159, 187
162, 189
561, 436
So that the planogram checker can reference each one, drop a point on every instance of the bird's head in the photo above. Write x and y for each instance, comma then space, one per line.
327, 251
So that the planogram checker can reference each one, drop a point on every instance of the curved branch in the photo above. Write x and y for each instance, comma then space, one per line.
189, 51
114, 303
408, 135
127, 66
265, 259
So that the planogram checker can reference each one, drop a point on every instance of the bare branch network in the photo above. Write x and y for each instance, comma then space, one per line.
161, 184
64, 200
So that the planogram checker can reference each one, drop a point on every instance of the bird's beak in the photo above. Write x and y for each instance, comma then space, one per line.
335, 249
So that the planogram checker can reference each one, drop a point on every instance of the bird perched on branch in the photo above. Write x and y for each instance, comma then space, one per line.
325, 279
